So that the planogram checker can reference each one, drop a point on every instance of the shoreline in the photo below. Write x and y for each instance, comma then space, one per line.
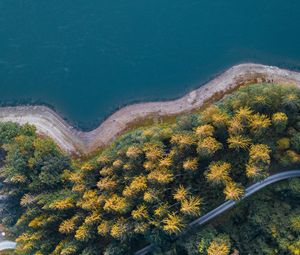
74, 141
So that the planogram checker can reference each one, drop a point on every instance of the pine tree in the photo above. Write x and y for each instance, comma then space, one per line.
173, 224
219, 246
191, 164
140, 213
238, 142
204, 131
233, 191
279, 121
218, 172
244, 114
259, 124
116, 203
236, 127
161, 176
180, 193
119, 229
208, 147
191, 206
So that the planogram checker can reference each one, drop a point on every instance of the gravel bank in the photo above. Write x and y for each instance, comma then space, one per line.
71, 140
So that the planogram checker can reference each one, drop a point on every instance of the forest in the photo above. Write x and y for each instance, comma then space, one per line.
148, 185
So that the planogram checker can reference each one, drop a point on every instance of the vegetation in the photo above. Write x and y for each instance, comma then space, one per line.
149, 184
267, 223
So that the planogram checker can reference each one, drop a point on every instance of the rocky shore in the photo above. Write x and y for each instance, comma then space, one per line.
75, 141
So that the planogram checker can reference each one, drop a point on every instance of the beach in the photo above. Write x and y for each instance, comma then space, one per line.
74, 141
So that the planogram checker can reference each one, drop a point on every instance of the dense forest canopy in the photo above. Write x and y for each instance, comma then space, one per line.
150, 183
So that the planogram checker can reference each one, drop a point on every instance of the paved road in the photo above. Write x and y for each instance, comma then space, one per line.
230, 203
7, 245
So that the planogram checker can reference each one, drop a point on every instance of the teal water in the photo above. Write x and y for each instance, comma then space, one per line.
88, 58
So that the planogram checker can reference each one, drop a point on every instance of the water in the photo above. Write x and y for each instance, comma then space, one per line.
87, 58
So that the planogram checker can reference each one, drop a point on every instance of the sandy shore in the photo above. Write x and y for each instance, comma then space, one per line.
71, 140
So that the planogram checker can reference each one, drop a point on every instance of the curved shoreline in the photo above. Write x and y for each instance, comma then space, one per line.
71, 140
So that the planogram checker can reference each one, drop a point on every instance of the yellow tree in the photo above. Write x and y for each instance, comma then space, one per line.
89, 200
279, 120
191, 164
244, 114
140, 213
207, 147
233, 191
161, 176
183, 141
259, 124
238, 142
138, 183
215, 116
191, 206
116, 203
220, 119
219, 246
82, 233
107, 183
166, 162
62, 204
259, 154
173, 224
180, 193
117, 164
134, 152
260, 102
295, 222
119, 229
161, 210
235, 126
151, 195
106, 171
69, 226
259, 161
291, 101
218, 172
104, 227
204, 131
154, 151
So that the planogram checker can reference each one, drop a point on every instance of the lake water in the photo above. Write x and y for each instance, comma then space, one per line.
87, 58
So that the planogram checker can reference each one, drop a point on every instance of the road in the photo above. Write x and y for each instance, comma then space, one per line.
7, 245
230, 203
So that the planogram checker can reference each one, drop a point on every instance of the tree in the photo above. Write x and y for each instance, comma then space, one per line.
219, 246
295, 142
208, 147
180, 193
236, 126
173, 224
205, 131
259, 161
218, 172
190, 164
191, 206
238, 142
259, 124
279, 120
233, 191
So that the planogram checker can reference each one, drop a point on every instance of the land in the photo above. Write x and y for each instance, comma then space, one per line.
74, 141
153, 183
